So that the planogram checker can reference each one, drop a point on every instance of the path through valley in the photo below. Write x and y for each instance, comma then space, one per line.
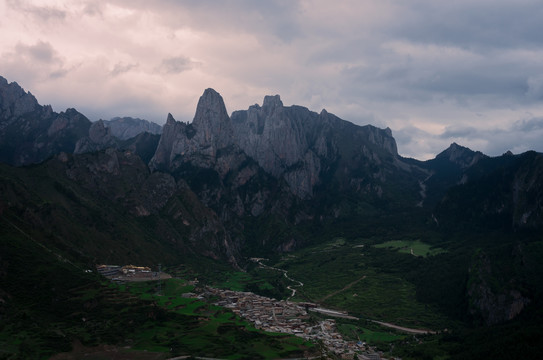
335, 313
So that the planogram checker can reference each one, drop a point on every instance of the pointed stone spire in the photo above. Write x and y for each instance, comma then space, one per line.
210, 109
212, 123
170, 120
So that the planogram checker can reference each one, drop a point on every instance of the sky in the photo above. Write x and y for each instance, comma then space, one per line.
435, 72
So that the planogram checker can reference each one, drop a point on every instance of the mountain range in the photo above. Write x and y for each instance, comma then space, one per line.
267, 180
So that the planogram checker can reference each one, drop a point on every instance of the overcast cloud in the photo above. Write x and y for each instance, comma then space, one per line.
435, 72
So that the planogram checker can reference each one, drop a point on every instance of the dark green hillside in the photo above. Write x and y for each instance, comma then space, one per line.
48, 303
504, 192
481, 287
108, 207
57, 212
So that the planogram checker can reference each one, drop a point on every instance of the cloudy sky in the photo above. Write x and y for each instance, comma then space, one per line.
435, 72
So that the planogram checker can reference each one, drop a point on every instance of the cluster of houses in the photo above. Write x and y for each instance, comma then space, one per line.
289, 317
265, 313
129, 273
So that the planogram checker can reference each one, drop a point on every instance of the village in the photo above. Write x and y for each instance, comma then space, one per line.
291, 318
267, 314
130, 273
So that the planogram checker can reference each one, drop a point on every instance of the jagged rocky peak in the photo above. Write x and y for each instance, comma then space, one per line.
71, 119
170, 120
293, 142
460, 155
29, 132
99, 131
210, 108
212, 123
273, 135
14, 101
210, 131
99, 138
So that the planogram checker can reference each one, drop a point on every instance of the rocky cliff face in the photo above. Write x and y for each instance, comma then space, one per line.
29, 132
125, 128
279, 140
290, 143
99, 138
15, 102
198, 143
299, 145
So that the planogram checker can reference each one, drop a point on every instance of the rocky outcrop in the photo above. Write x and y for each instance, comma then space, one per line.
15, 102
99, 138
125, 128
460, 156
31, 133
199, 142
299, 145
212, 123
276, 138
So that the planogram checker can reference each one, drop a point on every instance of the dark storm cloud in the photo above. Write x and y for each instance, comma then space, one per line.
406, 79
435, 72
520, 136
483, 26
527, 125
280, 18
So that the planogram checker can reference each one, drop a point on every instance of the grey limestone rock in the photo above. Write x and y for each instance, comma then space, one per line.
99, 138
297, 145
14, 101
29, 132
125, 128
198, 142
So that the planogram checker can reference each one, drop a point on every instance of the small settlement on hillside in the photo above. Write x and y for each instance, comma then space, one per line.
265, 313
130, 273
292, 318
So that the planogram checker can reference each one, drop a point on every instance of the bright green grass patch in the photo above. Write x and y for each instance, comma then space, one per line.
262, 281
236, 281
416, 247
367, 282
204, 329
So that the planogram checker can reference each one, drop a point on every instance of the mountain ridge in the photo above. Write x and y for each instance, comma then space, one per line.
266, 181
